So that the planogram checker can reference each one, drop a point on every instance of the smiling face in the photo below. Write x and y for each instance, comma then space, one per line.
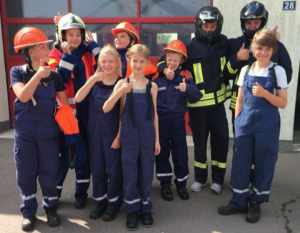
40, 51
122, 40
173, 60
73, 37
138, 63
263, 53
252, 24
108, 63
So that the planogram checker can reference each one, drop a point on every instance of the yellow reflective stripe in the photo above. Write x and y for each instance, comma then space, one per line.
216, 163
198, 73
252, 166
200, 165
231, 71
159, 63
223, 62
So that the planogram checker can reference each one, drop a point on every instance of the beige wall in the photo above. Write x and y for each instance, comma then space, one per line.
4, 113
289, 27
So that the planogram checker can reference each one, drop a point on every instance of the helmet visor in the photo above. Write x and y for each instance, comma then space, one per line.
253, 10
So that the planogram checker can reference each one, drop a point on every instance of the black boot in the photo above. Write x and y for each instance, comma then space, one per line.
110, 214
147, 219
52, 217
183, 193
28, 223
99, 210
227, 210
166, 192
80, 203
132, 221
254, 212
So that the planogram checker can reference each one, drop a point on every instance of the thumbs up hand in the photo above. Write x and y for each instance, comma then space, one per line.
169, 73
258, 90
43, 71
276, 33
243, 54
126, 86
57, 18
65, 46
182, 86
99, 75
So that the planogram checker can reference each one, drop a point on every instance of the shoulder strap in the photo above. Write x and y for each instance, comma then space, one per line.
272, 71
149, 99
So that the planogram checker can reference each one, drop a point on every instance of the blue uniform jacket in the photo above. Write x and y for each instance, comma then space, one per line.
171, 102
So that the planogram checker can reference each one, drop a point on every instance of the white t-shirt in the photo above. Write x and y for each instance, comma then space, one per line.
279, 70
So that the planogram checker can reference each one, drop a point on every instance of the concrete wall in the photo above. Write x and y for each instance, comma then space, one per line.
289, 28
4, 113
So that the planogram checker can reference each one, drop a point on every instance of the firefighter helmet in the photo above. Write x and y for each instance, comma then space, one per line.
129, 28
29, 36
177, 46
70, 21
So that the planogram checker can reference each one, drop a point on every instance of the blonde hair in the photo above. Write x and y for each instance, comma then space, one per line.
108, 49
138, 49
264, 37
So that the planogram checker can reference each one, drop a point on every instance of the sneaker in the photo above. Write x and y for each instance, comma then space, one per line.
166, 192
132, 221
196, 186
254, 212
227, 210
99, 210
183, 193
147, 219
110, 214
52, 217
216, 187
28, 223
80, 203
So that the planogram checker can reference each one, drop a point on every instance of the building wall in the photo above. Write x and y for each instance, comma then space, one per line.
4, 114
289, 28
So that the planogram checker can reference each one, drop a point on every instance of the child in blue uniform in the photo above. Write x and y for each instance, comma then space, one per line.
36, 147
104, 136
262, 90
139, 136
173, 94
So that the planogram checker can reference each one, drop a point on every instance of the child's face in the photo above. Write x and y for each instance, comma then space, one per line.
209, 26
40, 51
263, 53
122, 40
73, 37
138, 63
252, 24
108, 63
173, 60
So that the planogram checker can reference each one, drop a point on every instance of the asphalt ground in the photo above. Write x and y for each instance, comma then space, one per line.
198, 214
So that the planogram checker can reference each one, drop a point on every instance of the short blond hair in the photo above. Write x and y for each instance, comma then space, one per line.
138, 49
264, 37
108, 49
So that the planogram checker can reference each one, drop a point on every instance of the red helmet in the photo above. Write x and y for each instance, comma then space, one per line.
29, 36
177, 46
126, 27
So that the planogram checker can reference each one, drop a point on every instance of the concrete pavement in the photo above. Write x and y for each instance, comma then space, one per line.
198, 214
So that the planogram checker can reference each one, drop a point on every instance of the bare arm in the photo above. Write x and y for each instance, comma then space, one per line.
154, 97
239, 102
62, 96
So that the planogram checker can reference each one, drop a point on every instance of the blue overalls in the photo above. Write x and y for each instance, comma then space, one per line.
105, 162
138, 138
256, 139
36, 148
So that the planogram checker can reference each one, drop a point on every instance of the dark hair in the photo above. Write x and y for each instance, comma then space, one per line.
265, 37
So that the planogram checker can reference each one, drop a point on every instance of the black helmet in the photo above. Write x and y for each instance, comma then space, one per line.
208, 14
253, 10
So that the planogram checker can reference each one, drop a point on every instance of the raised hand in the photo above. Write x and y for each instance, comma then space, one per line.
276, 33
43, 71
57, 18
88, 37
169, 73
258, 90
126, 86
98, 75
65, 46
182, 86
243, 54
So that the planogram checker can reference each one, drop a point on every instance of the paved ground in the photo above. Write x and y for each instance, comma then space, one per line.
198, 214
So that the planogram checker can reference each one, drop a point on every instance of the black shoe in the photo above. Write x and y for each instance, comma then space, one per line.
147, 219
110, 214
99, 210
183, 193
28, 223
80, 203
227, 210
166, 192
254, 212
52, 217
132, 221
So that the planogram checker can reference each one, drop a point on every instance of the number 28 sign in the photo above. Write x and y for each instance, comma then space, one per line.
289, 5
